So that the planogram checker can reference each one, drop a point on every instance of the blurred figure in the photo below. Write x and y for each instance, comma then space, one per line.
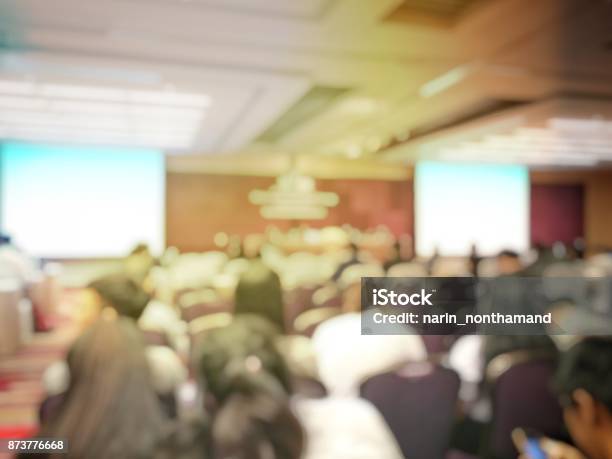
246, 387
110, 409
259, 292
160, 316
122, 296
508, 263
352, 260
251, 246
584, 382
474, 260
247, 383
345, 357
139, 262
14, 263
431, 263
544, 258
401, 252
121, 293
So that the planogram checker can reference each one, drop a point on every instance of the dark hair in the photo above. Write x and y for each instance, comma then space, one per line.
140, 248
259, 292
110, 408
257, 426
242, 370
185, 440
123, 294
587, 365
224, 353
508, 253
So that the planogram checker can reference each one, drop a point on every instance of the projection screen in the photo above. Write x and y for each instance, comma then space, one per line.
458, 205
70, 202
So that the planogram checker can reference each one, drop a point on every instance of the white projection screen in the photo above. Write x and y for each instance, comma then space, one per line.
458, 205
71, 202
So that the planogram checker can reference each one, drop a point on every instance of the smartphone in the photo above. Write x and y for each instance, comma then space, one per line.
528, 443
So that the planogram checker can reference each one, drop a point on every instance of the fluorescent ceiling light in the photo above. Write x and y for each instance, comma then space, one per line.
445, 81
563, 141
98, 115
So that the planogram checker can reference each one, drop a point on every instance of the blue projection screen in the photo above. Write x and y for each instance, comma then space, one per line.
458, 205
70, 202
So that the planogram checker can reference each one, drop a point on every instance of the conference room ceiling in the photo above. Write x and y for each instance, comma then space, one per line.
346, 78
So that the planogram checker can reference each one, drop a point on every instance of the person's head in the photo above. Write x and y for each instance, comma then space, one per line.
257, 426
394, 252
121, 293
139, 262
247, 385
239, 357
584, 383
508, 262
141, 249
252, 244
259, 292
110, 408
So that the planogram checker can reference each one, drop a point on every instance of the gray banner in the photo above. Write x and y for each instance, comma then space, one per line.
489, 306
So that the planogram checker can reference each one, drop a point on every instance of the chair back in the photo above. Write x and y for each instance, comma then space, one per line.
197, 310
308, 321
418, 404
522, 397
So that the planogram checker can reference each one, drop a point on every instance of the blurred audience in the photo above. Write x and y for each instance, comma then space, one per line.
274, 329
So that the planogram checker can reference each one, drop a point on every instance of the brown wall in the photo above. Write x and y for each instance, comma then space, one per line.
597, 201
200, 205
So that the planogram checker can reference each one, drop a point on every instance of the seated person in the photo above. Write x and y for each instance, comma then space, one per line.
259, 292
246, 382
345, 357
584, 383
139, 262
125, 298
110, 408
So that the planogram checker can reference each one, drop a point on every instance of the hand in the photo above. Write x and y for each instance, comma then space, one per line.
557, 450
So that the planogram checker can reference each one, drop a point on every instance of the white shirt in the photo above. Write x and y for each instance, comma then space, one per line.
161, 317
346, 358
466, 357
345, 428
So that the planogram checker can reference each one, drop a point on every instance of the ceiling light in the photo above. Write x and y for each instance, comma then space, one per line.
99, 115
445, 81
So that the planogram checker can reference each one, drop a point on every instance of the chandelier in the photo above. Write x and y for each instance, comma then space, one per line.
293, 197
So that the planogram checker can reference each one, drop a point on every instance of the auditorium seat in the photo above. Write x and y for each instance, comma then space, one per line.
522, 396
418, 402
308, 321
200, 303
